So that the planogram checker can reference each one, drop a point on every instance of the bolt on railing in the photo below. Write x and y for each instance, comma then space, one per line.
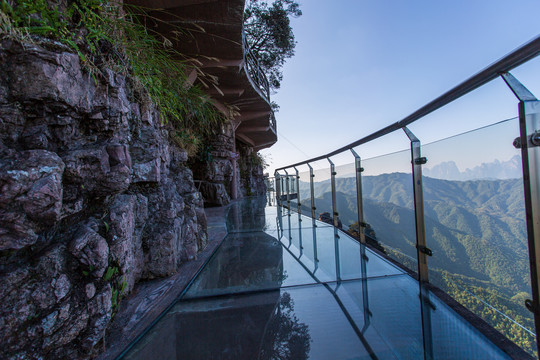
529, 119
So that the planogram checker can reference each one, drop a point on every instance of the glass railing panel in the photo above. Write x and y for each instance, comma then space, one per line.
475, 226
388, 204
270, 192
304, 191
449, 329
323, 191
295, 240
309, 256
357, 262
347, 208
293, 193
283, 187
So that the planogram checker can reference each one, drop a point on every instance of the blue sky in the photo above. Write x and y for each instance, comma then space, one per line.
361, 65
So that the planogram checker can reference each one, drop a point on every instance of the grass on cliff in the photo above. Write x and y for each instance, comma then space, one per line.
104, 34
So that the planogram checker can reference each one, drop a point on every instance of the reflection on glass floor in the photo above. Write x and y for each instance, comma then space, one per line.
280, 288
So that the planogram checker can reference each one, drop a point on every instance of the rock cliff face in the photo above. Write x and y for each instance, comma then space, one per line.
215, 173
250, 172
93, 198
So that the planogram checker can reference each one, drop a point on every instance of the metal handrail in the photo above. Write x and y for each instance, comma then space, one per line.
517, 57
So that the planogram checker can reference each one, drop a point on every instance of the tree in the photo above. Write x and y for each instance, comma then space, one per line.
269, 35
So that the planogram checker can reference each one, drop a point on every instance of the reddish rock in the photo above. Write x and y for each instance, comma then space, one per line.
30, 195
91, 250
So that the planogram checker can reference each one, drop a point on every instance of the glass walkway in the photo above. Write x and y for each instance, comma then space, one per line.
284, 286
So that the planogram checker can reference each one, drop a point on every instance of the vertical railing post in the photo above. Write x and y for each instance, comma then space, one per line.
422, 251
279, 204
529, 142
288, 191
278, 187
283, 188
333, 184
298, 194
312, 193
359, 202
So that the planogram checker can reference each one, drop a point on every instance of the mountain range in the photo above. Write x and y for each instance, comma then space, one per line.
449, 170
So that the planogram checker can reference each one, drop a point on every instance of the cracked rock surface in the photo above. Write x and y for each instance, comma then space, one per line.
93, 199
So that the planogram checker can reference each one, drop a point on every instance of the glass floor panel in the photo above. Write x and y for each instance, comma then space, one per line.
247, 262
269, 293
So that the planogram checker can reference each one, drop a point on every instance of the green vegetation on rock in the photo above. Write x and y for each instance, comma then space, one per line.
107, 36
